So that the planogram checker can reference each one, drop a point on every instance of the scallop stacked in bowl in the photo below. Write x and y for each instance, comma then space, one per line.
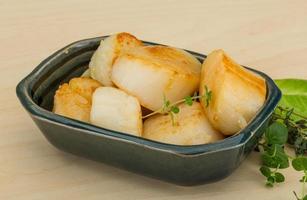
128, 85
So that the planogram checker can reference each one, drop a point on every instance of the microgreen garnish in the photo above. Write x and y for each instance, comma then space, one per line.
207, 96
172, 108
175, 109
166, 104
188, 100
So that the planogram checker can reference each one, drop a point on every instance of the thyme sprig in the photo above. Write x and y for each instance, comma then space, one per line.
172, 109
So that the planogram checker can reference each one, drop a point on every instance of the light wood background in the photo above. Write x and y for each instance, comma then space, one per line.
269, 35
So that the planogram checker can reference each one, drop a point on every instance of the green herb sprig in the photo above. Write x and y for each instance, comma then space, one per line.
172, 109
208, 96
273, 155
282, 127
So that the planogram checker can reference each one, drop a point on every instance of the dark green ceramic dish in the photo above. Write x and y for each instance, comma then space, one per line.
183, 165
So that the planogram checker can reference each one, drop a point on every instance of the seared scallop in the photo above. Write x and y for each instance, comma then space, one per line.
152, 72
191, 127
109, 49
114, 109
74, 99
236, 93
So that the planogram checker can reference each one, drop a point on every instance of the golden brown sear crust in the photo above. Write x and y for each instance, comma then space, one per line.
123, 40
244, 74
74, 99
127, 38
84, 86
174, 60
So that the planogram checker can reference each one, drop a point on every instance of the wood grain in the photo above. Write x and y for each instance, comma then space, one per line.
270, 35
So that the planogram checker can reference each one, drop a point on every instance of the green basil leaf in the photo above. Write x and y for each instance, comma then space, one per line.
300, 163
294, 94
305, 197
276, 133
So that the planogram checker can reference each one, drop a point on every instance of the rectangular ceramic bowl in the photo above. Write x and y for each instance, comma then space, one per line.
183, 165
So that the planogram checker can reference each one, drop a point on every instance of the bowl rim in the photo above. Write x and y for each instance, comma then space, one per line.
23, 92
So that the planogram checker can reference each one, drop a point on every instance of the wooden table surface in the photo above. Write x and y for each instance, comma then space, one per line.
269, 35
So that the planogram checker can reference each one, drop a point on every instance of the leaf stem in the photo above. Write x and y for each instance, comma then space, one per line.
153, 113
296, 195
277, 168
292, 112
274, 153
